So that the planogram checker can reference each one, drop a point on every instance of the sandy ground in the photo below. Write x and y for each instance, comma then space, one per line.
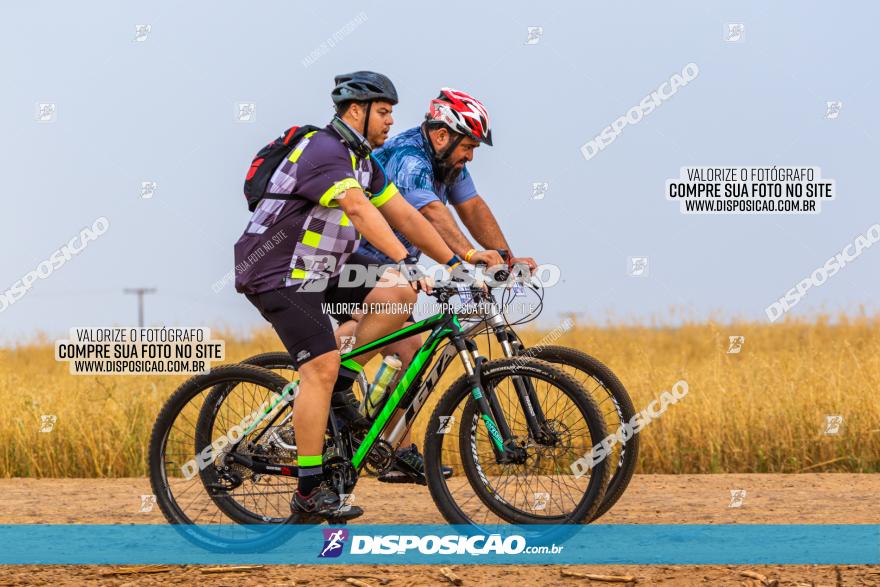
651, 499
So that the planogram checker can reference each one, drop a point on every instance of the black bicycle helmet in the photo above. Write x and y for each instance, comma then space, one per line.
363, 86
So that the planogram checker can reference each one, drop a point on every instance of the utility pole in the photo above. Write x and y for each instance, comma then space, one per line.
140, 291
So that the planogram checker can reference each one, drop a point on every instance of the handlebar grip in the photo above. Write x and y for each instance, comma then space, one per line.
501, 275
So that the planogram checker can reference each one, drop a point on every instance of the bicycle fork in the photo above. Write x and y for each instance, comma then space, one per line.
503, 441
525, 391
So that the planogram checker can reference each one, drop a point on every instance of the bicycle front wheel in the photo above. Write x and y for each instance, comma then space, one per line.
541, 490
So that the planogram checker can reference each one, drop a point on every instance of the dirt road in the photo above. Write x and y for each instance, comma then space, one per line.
651, 499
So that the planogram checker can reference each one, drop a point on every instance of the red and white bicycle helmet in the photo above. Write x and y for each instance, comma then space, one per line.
462, 113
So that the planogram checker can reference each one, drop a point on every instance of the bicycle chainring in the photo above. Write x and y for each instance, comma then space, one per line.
380, 458
340, 473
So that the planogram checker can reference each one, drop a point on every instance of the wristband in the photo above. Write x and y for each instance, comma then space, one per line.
455, 260
469, 254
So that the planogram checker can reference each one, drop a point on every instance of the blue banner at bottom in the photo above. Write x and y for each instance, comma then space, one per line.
679, 544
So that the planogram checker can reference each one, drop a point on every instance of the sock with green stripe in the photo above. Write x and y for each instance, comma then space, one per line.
310, 473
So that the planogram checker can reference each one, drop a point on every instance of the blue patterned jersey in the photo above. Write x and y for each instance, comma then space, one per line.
407, 163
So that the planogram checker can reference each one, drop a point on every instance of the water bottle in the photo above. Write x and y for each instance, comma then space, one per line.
390, 366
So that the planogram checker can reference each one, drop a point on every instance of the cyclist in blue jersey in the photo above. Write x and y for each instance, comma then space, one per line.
428, 165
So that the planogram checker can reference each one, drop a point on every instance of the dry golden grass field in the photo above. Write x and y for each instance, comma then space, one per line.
762, 410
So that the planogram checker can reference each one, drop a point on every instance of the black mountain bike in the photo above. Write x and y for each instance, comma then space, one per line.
509, 428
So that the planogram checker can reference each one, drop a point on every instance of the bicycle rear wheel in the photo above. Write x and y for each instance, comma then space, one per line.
543, 489
177, 460
177, 457
244, 495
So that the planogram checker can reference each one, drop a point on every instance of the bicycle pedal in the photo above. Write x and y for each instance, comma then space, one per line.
403, 479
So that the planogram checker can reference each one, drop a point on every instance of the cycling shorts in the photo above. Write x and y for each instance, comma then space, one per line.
365, 260
297, 316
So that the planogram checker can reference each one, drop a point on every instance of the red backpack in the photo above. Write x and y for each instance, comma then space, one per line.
267, 161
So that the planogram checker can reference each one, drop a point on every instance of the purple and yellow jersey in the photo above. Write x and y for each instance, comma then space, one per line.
317, 235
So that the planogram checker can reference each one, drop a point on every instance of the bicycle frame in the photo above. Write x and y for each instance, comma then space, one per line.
441, 327
412, 390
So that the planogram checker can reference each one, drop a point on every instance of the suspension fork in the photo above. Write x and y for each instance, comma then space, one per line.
525, 391
503, 442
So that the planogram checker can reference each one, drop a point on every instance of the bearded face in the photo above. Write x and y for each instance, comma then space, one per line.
448, 169
447, 173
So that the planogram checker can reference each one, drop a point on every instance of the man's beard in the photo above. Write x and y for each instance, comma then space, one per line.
447, 174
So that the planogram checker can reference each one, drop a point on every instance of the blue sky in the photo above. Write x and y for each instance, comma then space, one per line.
163, 110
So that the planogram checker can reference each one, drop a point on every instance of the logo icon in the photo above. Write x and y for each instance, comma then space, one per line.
638, 266
535, 34
46, 112
539, 189
141, 31
833, 424
832, 109
735, 344
734, 32
318, 269
737, 497
245, 112
346, 500
334, 540
148, 188
147, 503
347, 343
47, 422
540, 501
446, 423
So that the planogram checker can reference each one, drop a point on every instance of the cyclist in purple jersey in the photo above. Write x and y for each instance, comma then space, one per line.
428, 165
291, 254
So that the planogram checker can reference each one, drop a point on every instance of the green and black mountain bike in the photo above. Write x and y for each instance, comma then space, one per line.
509, 428
598, 380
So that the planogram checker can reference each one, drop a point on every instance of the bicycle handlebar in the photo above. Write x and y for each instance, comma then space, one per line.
444, 292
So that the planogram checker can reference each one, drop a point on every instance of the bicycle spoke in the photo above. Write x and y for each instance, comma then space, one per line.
540, 488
